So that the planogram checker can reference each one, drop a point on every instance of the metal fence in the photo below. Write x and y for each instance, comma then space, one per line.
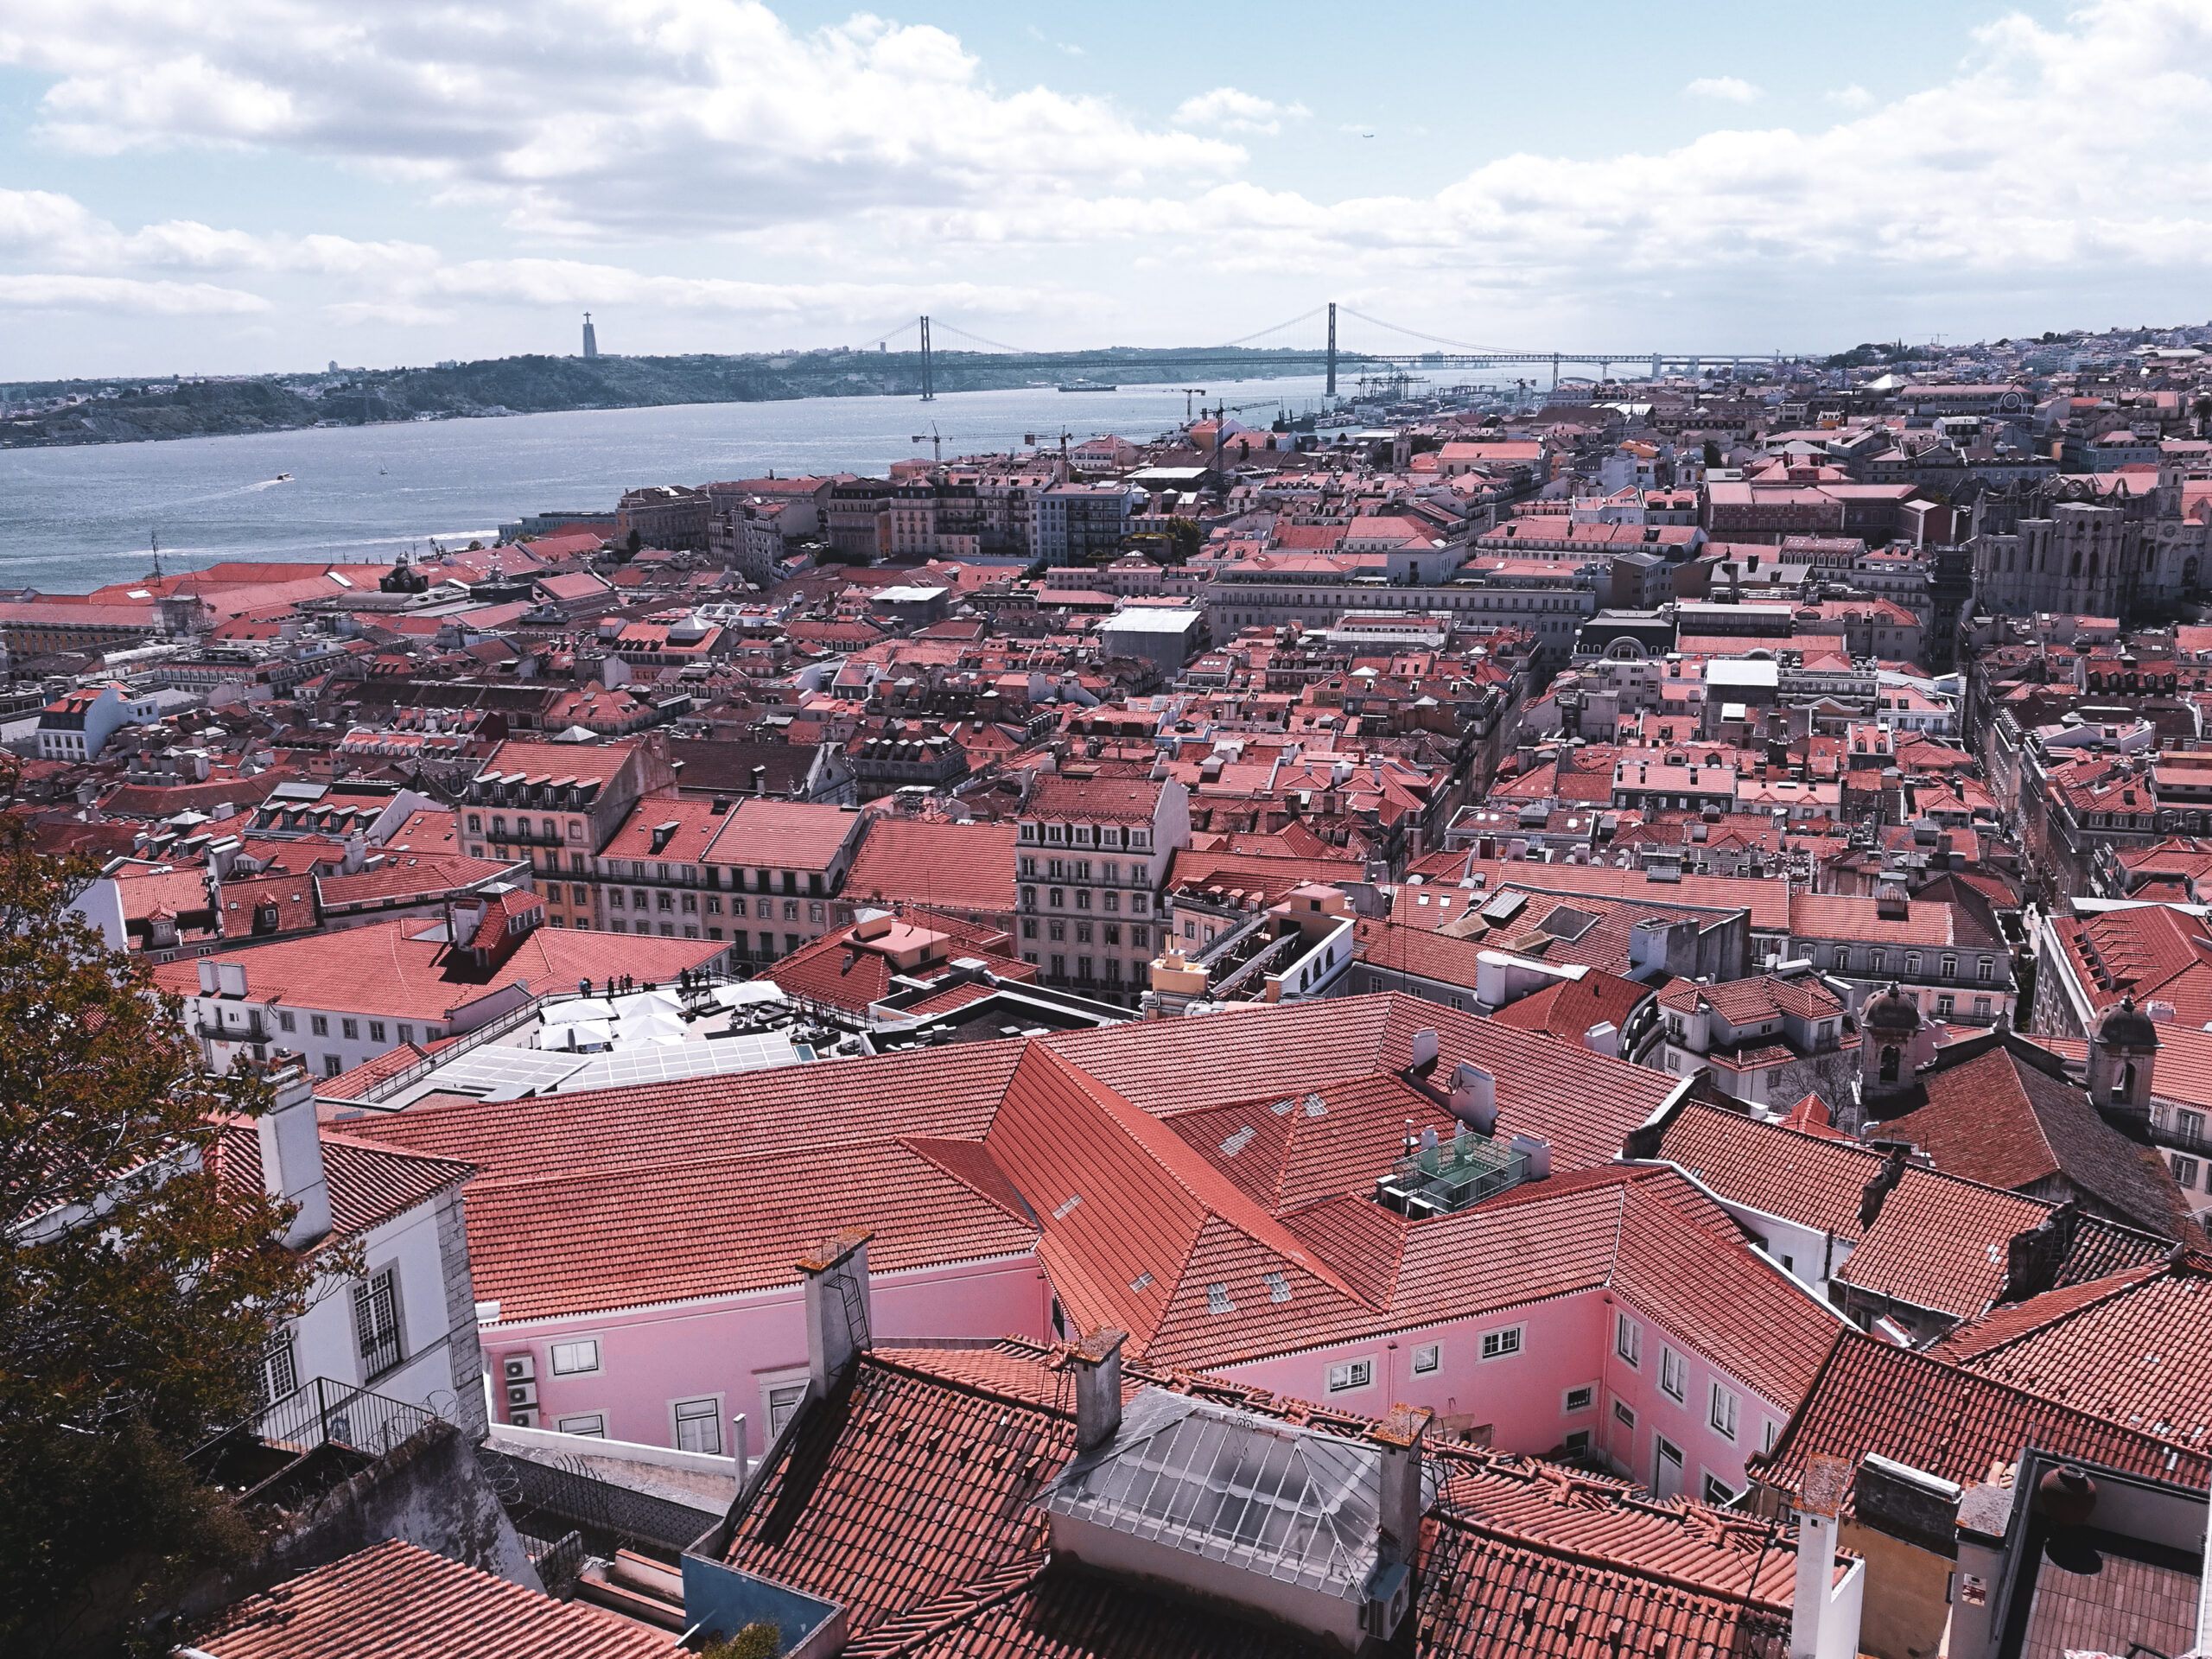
320, 1412
569, 1492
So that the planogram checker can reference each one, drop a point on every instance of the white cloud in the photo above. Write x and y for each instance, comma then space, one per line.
1232, 111
1727, 88
2055, 162
124, 296
585, 117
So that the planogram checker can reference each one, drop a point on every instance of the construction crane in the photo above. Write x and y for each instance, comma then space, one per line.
1190, 392
935, 442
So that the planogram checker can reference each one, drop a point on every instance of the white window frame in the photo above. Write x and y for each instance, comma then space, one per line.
1428, 1358
1566, 1406
773, 1383
1674, 1375
712, 1417
562, 1424
576, 1364
1628, 1341
1351, 1375
1624, 1414
1708, 1484
1725, 1413
1505, 1342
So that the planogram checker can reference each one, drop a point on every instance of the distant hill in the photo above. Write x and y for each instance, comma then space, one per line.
128, 410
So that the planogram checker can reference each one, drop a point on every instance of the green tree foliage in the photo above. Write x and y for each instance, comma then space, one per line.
134, 1299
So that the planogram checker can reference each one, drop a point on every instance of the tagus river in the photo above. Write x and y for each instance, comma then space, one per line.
73, 519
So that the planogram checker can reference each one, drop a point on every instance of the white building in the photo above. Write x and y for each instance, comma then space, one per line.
77, 725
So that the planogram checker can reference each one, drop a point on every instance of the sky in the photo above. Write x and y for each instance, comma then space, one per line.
206, 187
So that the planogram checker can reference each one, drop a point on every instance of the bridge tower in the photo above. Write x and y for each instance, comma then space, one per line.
1332, 348
929, 389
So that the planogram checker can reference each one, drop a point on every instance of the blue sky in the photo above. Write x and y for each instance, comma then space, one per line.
210, 186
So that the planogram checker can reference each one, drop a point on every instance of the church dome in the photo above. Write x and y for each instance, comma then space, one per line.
1892, 1014
2125, 1026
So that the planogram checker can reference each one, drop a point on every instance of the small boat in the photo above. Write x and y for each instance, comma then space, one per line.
380, 472
282, 478
1088, 386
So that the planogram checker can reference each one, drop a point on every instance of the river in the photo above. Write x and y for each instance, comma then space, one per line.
73, 519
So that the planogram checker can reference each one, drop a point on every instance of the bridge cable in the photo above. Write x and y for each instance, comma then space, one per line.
1301, 317
1434, 339
996, 344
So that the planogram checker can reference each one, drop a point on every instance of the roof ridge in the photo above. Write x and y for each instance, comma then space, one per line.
1193, 1176
1954, 1347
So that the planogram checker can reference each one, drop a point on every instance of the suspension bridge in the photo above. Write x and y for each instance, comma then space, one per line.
1329, 359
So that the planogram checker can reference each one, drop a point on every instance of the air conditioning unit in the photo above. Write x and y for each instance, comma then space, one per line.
521, 1419
519, 1368
1390, 1593
522, 1394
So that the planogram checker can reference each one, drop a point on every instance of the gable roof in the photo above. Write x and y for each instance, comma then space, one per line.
1959, 1426
400, 1602
1999, 1110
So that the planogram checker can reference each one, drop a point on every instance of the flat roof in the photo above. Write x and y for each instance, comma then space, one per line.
1150, 619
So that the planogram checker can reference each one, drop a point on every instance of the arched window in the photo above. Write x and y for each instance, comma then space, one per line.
2123, 1085
1889, 1064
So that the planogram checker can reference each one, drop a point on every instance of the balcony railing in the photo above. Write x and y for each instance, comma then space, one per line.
2181, 1139
251, 1031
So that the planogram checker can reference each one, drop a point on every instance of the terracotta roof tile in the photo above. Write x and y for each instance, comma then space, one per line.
1960, 1424
403, 1603
955, 865
368, 1184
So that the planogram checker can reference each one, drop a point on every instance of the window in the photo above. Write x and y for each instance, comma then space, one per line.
573, 1358
1029, 927
376, 1031
1352, 1373
1912, 964
1987, 969
280, 1371
475, 824
1674, 1373
1944, 1006
406, 1032
699, 1426
783, 1403
1427, 1358
1502, 1345
2185, 1172
1766, 1441
318, 1024
1718, 1495
1580, 1398
2189, 1124
351, 1029
1950, 967
332, 1065
1624, 1414
285, 1022
590, 1423
376, 1322
1628, 1340
1724, 1413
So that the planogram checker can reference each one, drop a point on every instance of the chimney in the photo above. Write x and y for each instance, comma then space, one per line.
837, 1308
1096, 1362
1872, 1195
291, 1159
1537, 1151
1424, 1050
1398, 1438
759, 780
1474, 1097
1823, 1614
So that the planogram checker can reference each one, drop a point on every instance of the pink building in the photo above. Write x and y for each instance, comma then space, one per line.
1231, 1190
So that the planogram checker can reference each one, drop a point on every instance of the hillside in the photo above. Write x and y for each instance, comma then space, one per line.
126, 411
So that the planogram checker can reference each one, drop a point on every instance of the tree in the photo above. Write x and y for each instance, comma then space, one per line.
136, 1298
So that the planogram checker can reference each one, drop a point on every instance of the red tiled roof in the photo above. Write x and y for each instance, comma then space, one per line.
1768, 900
1959, 1426
2135, 1347
956, 866
1569, 1009
907, 1496
1059, 799
368, 1184
381, 970
1999, 1116
410, 875
782, 835
849, 973
399, 1602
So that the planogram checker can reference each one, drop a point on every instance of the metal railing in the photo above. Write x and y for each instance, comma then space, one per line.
1450, 1175
322, 1412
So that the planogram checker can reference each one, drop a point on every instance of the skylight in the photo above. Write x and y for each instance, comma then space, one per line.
1073, 1199
1141, 1283
1278, 1287
1218, 1299
1238, 1141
